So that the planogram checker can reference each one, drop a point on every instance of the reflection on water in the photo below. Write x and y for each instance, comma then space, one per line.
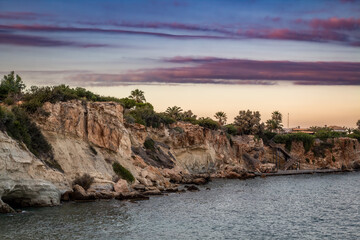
297, 207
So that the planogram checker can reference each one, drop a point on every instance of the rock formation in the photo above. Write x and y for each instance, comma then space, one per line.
88, 137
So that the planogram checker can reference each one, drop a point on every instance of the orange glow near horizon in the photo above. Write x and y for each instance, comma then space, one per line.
307, 105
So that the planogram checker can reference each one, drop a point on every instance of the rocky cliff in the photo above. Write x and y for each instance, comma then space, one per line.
88, 137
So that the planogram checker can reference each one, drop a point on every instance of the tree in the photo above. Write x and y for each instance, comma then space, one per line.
248, 122
358, 124
11, 85
174, 112
221, 117
274, 124
138, 96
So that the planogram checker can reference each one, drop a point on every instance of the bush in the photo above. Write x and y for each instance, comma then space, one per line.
324, 134
84, 181
231, 129
37, 96
149, 144
355, 134
123, 172
287, 139
208, 123
19, 126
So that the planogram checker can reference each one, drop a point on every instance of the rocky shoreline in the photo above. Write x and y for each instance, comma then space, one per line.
90, 137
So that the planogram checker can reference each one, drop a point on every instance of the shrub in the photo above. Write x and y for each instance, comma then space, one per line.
324, 134
149, 144
287, 139
123, 172
355, 134
231, 129
208, 123
37, 96
19, 126
333, 159
84, 181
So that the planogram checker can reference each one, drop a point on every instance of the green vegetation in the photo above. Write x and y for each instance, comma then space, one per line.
174, 112
138, 96
355, 134
37, 96
287, 139
248, 122
231, 129
18, 125
149, 144
274, 124
84, 181
208, 123
326, 133
221, 117
11, 87
123, 172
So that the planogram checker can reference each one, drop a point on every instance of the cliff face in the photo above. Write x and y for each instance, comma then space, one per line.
88, 137
24, 179
338, 153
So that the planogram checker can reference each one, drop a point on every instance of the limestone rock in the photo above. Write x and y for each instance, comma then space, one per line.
121, 186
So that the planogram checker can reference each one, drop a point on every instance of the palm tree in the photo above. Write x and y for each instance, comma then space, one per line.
174, 112
274, 124
138, 96
221, 117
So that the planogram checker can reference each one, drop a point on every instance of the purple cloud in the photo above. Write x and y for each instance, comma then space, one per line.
233, 71
37, 41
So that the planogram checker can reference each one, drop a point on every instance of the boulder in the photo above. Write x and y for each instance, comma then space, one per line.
79, 194
153, 192
5, 208
121, 186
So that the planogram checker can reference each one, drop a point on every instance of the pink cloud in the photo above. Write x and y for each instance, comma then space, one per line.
335, 23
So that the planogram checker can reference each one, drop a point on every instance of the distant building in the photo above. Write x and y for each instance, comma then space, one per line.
302, 130
337, 129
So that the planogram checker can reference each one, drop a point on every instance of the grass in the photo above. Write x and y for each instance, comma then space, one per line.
123, 172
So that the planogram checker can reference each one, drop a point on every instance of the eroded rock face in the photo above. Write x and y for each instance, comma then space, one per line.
24, 179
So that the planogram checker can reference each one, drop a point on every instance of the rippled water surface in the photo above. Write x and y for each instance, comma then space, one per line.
307, 206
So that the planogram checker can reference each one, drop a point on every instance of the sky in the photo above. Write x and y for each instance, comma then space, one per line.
301, 58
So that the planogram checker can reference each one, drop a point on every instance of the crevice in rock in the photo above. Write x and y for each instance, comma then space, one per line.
86, 118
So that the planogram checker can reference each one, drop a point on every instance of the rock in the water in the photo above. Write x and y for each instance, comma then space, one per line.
66, 196
79, 194
201, 181
153, 192
5, 208
192, 188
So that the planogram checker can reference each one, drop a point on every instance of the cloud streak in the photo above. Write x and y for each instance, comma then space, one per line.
37, 41
233, 71
312, 35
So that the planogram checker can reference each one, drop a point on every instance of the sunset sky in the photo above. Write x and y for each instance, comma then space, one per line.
298, 57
